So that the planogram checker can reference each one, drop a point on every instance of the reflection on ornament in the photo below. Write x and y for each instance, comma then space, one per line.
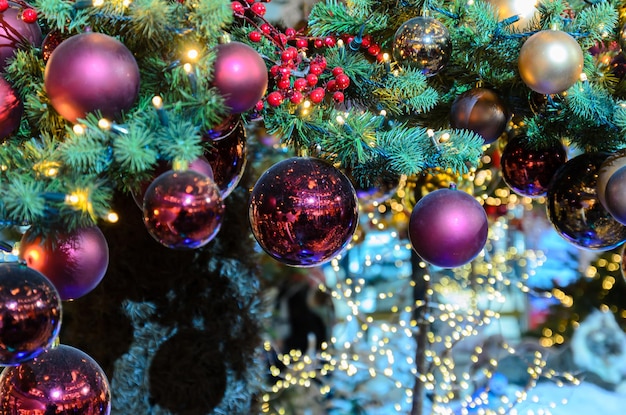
50, 43
75, 261
615, 195
30, 313
550, 61
482, 111
422, 43
612, 164
60, 381
303, 211
527, 170
227, 157
224, 128
526, 10
574, 209
183, 209
448, 228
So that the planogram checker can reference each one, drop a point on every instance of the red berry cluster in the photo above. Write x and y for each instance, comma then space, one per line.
366, 43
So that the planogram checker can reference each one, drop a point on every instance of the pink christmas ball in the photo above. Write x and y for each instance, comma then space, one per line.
91, 72
11, 110
240, 75
60, 381
15, 33
74, 261
448, 228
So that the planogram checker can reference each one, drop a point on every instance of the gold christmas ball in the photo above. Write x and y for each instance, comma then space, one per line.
525, 9
550, 61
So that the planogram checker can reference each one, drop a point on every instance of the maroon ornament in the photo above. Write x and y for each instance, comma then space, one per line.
224, 128
183, 209
612, 164
615, 194
30, 313
227, 158
528, 170
574, 209
11, 110
74, 261
482, 111
240, 75
50, 43
91, 72
15, 33
303, 211
448, 228
61, 381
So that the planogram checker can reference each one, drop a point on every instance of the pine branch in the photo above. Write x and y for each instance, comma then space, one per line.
332, 17
591, 103
135, 150
61, 15
22, 199
595, 22
179, 141
210, 18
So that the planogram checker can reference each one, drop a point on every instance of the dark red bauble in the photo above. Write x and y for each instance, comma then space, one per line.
15, 33
74, 261
227, 158
240, 75
448, 228
527, 170
482, 111
30, 313
303, 211
574, 209
183, 209
615, 195
50, 43
61, 381
11, 110
91, 72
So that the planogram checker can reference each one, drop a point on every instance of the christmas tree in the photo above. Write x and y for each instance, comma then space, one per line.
160, 158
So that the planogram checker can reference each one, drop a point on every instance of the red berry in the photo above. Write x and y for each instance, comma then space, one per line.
237, 7
275, 98
373, 50
290, 32
288, 54
300, 84
259, 9
255, 36
330, 41
259, 105
337, 70
331, 85
301, 43
342, 81
4, 4
317, 95
29, 15
311, 79
366, 41
249, 1
281, 39
318, 43
274, 70
296, 97
283, 83
266, 28
315, 69
284, 70
338, 97
321, 61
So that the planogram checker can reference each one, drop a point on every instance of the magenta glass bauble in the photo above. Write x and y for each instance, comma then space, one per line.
240, 75
227, 157
91, 72
482, 111
615, 195
574, 209
448, 228
75, 261
11, 110
303, 211
15, 33
183, 209
30, 313
60, 381
528, 169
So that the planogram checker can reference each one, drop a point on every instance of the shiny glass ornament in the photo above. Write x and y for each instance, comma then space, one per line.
11, 109
60, 381
30, 313
227, 157
616, 195
574, 209
527, 170
482, 111
303, 211
91, 72
224, 128
448, 228
75, 261
613, 163
183, 209
422, 43
526, 10
550, 61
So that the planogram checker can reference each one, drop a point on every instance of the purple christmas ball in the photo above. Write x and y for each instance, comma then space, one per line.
482, 111
30, 313
240, 75
574, 208
91, 72
11, 110
227, 157
615, 195
60, 381
527, 170
448, 228
183, 209
303, 211
15, 33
